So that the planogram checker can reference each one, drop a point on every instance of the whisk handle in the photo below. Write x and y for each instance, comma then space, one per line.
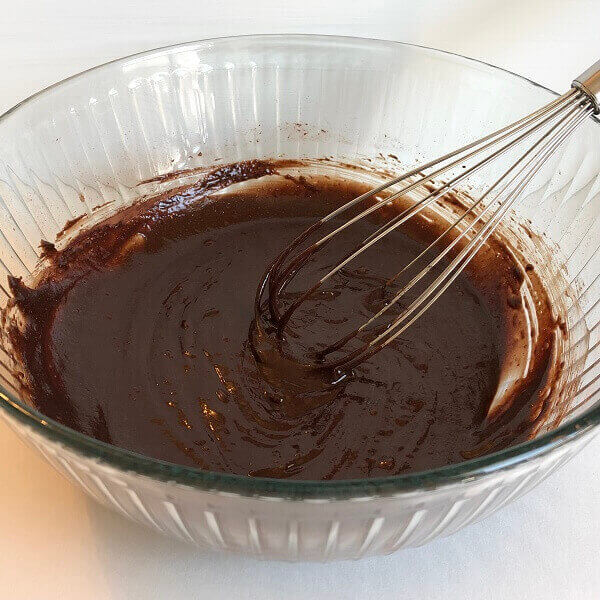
589, 83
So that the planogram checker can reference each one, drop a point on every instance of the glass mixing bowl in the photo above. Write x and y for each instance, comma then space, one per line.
94, 137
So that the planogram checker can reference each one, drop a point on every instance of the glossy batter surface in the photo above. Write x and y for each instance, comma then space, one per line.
137, 334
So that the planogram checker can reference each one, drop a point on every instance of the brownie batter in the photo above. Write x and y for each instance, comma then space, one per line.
140, 333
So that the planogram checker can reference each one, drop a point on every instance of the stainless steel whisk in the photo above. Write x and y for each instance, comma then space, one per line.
554, 122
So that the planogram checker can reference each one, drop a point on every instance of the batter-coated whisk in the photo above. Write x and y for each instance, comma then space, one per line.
549, 127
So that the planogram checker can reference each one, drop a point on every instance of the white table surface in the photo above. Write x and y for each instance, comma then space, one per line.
57, 544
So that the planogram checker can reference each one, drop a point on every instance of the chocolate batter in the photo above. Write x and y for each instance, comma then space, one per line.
137, 333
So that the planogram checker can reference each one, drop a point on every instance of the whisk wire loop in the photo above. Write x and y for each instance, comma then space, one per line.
552, 123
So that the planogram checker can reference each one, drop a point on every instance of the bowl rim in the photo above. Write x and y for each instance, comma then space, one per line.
127, 460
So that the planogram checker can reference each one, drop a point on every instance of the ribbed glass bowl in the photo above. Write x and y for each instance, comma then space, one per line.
94, 137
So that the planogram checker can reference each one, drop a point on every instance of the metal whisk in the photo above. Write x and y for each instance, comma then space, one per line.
553, 123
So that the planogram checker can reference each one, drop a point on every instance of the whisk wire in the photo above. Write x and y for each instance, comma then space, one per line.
456, 267
495, 138
567, 100
553, 122
419, 306
468, 212
280, 279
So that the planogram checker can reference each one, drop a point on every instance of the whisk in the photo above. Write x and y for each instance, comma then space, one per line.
552, 123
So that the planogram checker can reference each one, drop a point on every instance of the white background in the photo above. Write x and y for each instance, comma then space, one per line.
56, 544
